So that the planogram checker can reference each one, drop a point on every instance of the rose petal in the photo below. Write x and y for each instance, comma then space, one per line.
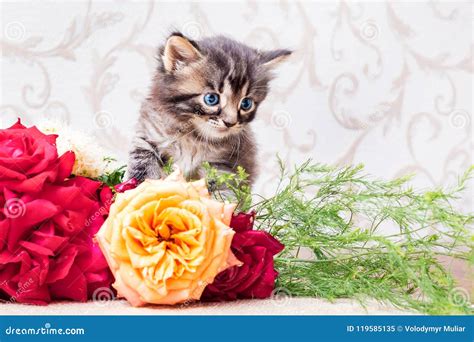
63, 264
35, 212
242, 221
73, 286
128, 185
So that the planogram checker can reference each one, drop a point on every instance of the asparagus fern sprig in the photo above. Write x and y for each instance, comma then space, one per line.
350, 235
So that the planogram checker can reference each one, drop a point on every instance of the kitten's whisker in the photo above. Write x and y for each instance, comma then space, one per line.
259, 88
238, 153
182, 136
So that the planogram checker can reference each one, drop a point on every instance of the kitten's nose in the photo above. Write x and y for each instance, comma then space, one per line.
229, 124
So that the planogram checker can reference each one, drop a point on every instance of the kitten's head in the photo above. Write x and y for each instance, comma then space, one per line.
215, 85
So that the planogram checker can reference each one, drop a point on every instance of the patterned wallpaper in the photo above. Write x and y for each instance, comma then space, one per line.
388, 84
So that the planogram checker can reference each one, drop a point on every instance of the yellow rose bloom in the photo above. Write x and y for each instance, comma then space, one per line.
166, 240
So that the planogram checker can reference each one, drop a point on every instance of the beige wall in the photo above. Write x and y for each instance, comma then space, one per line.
385, 84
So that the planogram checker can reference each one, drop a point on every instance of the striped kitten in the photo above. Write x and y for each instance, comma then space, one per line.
203, 96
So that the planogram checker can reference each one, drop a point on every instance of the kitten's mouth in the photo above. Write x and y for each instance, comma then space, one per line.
213, 130
220, 128
223, 128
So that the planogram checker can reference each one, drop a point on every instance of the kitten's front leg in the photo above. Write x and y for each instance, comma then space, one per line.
145, 162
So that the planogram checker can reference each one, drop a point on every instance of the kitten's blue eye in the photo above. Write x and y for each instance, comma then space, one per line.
211, 99
246, 103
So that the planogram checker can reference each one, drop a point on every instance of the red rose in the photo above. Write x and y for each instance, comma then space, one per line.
47, 223
29, 158
256, 277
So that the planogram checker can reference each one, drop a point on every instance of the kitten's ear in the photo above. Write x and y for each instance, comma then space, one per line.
179, 51
271, 59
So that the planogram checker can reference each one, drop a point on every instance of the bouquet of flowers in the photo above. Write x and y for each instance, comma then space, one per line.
66, 232
47, 220
167, 242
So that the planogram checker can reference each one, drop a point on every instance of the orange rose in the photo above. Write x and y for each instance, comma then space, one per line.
166, 240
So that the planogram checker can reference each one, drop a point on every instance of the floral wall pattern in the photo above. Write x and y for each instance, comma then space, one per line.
386, 84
